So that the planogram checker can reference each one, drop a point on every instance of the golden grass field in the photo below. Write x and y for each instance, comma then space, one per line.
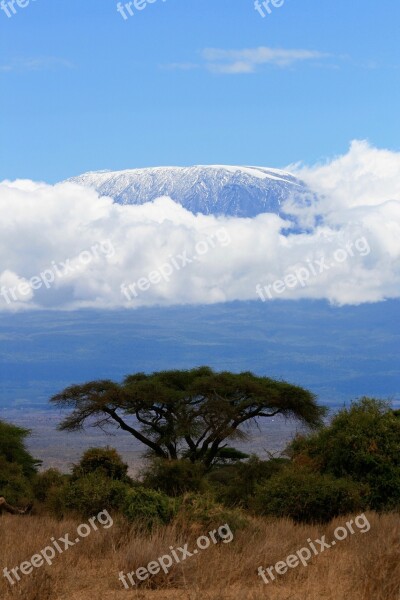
362, 567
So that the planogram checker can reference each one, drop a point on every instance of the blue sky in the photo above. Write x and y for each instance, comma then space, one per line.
83, 89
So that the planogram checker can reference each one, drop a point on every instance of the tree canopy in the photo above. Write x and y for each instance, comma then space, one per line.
185, 413
13, 450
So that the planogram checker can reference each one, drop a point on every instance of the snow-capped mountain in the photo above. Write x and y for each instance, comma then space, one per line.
218, 190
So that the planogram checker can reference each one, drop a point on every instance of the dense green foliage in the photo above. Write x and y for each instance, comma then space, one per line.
98, 482
174, 477
235, 485
147, 508
93, 493
47, 483
14, 485
17, 466
104, 461
308, 497
361, 443
13, 450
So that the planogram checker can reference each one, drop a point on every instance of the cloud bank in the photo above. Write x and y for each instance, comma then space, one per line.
64, 247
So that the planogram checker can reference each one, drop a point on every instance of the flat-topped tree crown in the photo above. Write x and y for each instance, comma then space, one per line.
186, 413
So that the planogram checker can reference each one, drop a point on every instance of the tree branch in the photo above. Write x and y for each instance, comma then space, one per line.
157, 449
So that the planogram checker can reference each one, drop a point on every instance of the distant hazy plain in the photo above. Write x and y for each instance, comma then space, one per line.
338, 353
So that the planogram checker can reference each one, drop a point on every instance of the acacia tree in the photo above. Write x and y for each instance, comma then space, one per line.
185, 414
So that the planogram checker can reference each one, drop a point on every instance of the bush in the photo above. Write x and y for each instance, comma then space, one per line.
235, 485
104, 461
88, 495
362, 443
308, 497
195, 511
147, 508
12, 448
14, 486
44, 483
174, 478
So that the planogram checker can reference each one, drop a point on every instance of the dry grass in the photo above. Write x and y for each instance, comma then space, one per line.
363, 567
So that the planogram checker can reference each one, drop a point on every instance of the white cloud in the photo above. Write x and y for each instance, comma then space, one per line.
248, 60
43, 63
364, 176
188, 66
44, 225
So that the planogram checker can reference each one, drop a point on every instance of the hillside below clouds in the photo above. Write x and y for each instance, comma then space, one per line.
216, 190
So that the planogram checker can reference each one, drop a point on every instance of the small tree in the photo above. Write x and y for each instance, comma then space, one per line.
189, 414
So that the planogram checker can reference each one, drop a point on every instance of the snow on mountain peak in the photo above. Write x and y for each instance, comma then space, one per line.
212, 189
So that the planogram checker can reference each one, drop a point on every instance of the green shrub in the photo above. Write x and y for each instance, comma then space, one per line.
175, 477
308, 497
98, 482
202, 510
90, 495
47, 481
104, 461
14, 485
55, 502
235, 485
147, 508
362, 443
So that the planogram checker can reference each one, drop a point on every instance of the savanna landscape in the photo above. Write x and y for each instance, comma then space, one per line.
194, 484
